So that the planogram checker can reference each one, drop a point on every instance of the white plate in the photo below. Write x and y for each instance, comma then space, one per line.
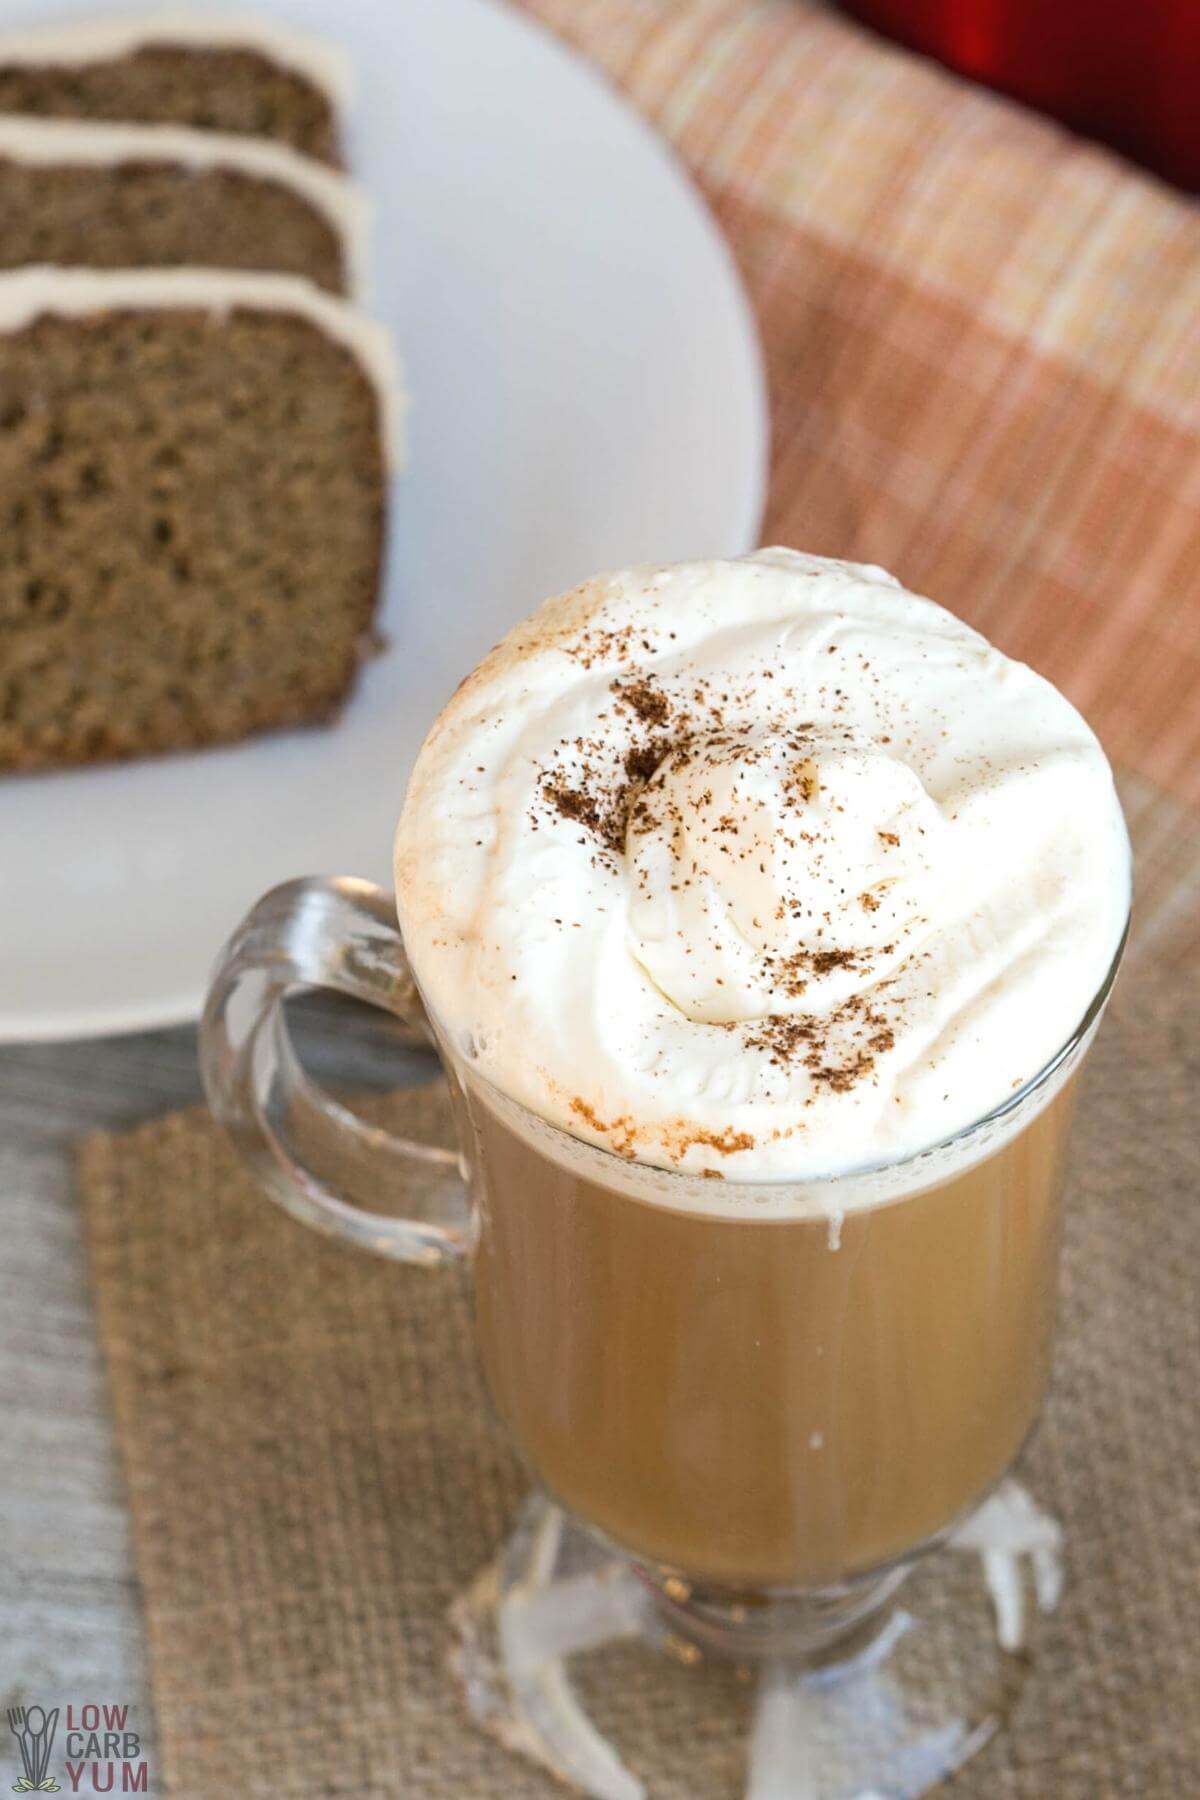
587, 391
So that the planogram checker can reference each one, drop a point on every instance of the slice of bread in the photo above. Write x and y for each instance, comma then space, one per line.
213, 73
123, 196
193, 472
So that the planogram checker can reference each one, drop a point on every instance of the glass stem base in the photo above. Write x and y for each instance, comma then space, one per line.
625, 1683
813, 1626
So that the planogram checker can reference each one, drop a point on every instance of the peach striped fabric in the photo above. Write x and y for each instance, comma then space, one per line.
983, 343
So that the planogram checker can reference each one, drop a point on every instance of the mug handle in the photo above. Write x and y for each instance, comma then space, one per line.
339, 934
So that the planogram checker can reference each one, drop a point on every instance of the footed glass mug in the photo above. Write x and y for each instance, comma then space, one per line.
751, 1408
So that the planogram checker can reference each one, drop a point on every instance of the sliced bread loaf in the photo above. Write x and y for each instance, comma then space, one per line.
193, 469
125, 196
249, 76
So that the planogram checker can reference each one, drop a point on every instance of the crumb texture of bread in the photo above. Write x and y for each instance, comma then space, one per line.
191, 531
212, 88
161, 215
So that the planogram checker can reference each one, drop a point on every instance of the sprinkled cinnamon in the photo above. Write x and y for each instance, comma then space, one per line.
623, 1129
585, 809
726, 1142
838, 1051
643, 696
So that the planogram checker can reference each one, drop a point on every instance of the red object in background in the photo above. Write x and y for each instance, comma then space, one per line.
1124, 71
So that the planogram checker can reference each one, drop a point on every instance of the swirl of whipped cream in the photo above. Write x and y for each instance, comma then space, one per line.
770, 868
764, 868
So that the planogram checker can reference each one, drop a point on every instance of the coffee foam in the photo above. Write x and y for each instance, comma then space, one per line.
829, 1199
764, 869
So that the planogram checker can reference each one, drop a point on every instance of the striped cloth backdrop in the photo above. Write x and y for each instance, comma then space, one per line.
983, 344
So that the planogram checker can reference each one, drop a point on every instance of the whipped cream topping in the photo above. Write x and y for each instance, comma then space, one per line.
769, 867
766, 869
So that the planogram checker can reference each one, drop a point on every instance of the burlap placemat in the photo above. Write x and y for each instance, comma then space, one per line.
313, 1473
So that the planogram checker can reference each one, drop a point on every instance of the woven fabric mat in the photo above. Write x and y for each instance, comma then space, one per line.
313, 1473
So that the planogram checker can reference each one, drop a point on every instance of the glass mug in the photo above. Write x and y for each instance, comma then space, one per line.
770, 1418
